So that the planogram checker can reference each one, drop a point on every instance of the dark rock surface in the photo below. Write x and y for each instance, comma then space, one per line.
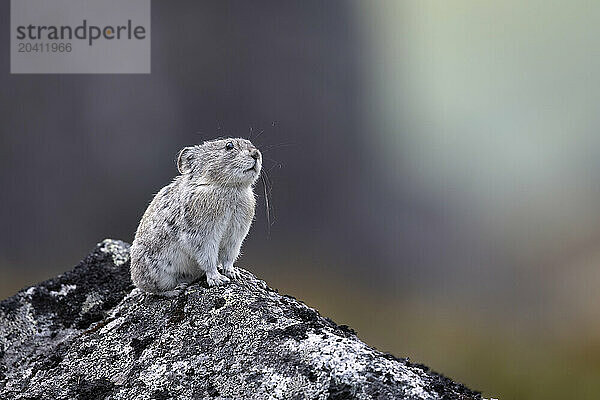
88, 334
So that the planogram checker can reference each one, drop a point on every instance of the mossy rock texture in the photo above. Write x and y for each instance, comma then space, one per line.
89, 334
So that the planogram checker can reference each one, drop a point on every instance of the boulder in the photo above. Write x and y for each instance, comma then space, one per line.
89, 334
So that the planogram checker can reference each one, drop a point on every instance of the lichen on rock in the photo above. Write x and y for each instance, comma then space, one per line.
89, 334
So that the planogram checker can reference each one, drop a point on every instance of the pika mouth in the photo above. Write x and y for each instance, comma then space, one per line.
252, 168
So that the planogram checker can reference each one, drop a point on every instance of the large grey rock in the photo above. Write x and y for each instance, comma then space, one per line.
88, 334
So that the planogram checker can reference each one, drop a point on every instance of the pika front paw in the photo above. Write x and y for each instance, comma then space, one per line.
216, 279
232, 272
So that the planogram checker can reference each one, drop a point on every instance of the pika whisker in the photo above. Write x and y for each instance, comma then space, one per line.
267, 203
276, 145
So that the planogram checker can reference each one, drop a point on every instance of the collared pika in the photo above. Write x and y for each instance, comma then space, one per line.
197, 224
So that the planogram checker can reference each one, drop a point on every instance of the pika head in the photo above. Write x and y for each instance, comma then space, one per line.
223, 162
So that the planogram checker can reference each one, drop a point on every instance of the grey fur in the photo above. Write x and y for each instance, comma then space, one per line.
197, 223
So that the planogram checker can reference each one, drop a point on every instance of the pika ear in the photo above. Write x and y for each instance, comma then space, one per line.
185, 159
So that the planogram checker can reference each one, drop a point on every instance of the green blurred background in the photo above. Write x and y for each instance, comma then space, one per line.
435, 169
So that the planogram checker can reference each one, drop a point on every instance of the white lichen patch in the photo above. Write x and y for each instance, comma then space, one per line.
181, 366
154, 376
277, 385
64, 290
117, 249
112, 324
348, 359
119, 378
91, 300
329, 353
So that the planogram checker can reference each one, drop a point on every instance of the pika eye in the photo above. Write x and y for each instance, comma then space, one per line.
229, 146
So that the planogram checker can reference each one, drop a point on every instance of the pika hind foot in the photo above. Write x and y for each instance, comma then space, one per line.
216, 279
175, 292
232, 272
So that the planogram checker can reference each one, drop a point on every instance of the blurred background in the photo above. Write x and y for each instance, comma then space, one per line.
435, 169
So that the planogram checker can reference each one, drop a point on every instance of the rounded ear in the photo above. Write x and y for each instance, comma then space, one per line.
184, 160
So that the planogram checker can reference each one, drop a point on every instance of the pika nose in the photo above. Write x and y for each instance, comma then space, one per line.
255, 154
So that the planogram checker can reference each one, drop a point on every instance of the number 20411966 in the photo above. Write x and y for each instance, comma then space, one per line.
45, 47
